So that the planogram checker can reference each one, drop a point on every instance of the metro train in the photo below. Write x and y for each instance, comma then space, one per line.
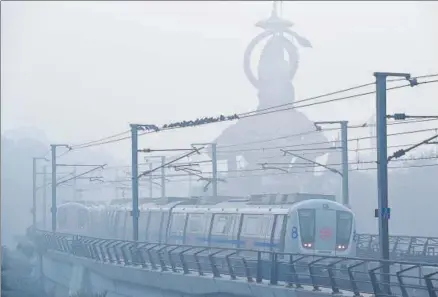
293, 223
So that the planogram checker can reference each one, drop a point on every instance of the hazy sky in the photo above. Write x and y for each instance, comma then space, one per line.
82, 70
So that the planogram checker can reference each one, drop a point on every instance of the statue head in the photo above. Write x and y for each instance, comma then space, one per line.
273, 67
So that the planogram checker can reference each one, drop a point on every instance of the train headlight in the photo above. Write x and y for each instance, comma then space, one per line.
341, 247
308, 245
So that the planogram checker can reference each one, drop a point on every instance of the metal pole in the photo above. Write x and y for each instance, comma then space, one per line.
382, 171
53, 208
163, 177
214, 169
134, 172
344, 139
34, 192
45, 197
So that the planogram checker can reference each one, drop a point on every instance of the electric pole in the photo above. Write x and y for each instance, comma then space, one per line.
134, 172
54, 183
214, 178
382, 171
163, 175
345, 169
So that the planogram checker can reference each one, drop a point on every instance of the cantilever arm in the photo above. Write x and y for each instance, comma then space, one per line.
313, 162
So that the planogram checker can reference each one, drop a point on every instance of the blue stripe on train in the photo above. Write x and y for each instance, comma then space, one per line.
229, 241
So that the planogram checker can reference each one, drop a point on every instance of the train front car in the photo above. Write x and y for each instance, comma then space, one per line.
321, 227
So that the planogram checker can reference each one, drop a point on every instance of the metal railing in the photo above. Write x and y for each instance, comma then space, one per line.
401, 247
335, 274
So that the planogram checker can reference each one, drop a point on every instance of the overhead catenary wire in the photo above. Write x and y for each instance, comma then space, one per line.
79, 175
314, 170
294, 104
313, 167
339, 92
356, 126
331, 149
297, 166
100, 140
116, 138
322, 142
87, 144
111, 183
258, 113
402, 152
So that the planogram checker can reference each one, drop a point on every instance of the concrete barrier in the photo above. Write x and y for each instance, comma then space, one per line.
66, 274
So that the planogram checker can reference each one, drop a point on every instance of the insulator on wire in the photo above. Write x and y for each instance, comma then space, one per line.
399, 116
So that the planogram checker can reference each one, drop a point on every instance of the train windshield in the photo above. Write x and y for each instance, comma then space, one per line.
307, 225
343, 227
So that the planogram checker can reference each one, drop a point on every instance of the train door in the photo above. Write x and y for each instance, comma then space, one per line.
177, 228
325, 231
278, 235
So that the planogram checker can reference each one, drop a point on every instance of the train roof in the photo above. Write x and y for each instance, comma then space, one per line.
287, 198
245, 208
155, 206
256, 203
72, 204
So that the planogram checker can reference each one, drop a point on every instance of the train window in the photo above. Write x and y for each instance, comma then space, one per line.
267, 223
221, 224
196, 223
343, 227
307, 225
279, 226
252, 225
178, 223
